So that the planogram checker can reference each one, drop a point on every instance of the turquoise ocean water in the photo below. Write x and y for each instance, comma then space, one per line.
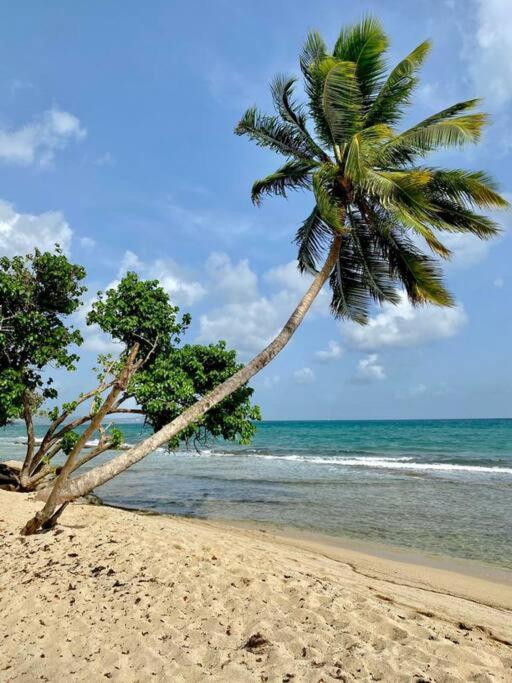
441, 486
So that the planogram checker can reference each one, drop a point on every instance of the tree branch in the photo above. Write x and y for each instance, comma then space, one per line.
29, 456
118, 387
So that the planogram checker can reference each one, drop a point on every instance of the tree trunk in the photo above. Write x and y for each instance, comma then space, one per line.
27, 464
48, 512
90, 480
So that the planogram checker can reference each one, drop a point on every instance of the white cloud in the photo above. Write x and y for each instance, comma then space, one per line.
499, 282
467, 249
440, 389
333, 352
235, 282
414, 391
98, 342
87, 242
289, 277
247, 327
490, 51
304, 376
404, 325
196, 221
417, 390
181, 288
37, 142
21, 232
105, 160
368, 370
245, 317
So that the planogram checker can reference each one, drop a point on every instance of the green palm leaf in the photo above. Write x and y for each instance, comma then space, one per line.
269, 131
364, 45
329, 209
396, 91
419, 274
473, 188
424, 138
293, 175
375, 271
350, 297
282, 93
312, 239
341, 102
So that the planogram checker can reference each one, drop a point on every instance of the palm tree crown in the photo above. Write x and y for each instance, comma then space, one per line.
368, 181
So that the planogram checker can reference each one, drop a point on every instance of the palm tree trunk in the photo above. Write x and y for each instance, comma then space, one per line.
90, 480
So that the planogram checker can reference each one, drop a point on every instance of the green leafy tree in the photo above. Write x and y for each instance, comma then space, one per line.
37, 294
379, 212
154, 370
172, 383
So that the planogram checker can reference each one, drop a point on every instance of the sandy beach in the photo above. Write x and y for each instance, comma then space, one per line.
130, 597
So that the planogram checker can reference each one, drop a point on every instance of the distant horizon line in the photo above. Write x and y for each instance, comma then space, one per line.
363, 419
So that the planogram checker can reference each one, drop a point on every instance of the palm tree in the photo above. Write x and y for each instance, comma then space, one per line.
377, 206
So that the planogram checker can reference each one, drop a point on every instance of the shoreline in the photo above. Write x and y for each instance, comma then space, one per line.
363, 551
132, 596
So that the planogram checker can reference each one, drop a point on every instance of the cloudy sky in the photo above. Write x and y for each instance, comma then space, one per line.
116, 140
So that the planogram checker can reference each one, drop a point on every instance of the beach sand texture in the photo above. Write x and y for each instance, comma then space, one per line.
117, 595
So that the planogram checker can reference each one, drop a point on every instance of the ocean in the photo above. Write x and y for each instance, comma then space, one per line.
437, 486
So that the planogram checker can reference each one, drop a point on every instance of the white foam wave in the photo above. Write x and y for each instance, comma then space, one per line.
406, 463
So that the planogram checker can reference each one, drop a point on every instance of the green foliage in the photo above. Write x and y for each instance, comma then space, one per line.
37, 292
115, 437
138, 311
69, 441
12, 390
176, 380
366, 176
172, 377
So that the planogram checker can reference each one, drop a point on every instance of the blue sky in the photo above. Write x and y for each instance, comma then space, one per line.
116, 139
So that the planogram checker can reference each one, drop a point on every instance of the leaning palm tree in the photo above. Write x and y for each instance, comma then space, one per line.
375, 229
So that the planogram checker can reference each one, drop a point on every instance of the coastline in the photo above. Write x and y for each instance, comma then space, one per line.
134, 597
386, 559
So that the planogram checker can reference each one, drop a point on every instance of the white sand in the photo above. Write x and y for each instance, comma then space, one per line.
122, 596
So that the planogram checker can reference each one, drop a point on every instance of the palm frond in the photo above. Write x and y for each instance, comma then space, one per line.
350, 297
331, 212
364, 44
419, 224
293, 175
424, 138
314, 50
470, 188
454, 217
282, 94
270, 131
313, 238
419, 274
314, 79
396, 91
450, 112
341, 102
405, 186
375, 272
361, 150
